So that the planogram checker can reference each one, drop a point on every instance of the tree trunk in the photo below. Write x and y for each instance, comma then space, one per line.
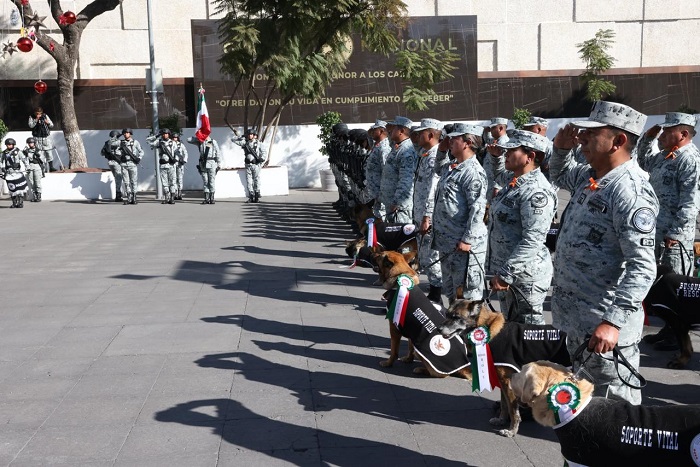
71, 131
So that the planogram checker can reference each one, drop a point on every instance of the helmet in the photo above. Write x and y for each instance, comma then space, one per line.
10, 141
31, 140
176, 135
340, 129
127, 130
165, 130
114, 134
251, 131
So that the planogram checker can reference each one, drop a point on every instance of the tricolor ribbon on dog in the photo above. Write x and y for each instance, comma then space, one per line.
485, 377
397, 308
371, 233
563, 399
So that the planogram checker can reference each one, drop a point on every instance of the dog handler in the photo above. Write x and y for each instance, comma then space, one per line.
398, 174
604, 265
459, 232
375, 164
520, 216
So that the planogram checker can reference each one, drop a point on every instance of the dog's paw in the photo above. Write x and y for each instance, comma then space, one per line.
408, 358
507, 433
386, 363
421, 370
498, 421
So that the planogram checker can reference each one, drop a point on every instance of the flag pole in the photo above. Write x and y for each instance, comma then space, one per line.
154, 98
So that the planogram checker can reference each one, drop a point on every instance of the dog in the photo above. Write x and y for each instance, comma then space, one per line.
392, 237
675, 298
512, 345
604, 432
421, 323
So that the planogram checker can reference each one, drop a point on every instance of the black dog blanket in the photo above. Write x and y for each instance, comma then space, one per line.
394, 237
606, 432
420, 322
518, 344
677, 293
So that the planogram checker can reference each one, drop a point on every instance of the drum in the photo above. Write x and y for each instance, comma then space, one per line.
16, 183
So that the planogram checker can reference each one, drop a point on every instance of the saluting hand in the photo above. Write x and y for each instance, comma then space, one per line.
567, 137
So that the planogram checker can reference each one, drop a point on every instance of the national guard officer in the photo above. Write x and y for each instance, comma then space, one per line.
497, 128
208, 166
110, 151
41, 125
459, 232
181, 160
539, 125
375, 165
519, 219
35, 168
130, 154
428, 137
12, 166
674, 173
397, 177
604, 265
165, 151
255, 156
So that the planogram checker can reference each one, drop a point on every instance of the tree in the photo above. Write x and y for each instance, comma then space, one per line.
597, 60
298, 46
520, 117
66, 57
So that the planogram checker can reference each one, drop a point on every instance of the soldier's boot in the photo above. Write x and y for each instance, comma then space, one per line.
51, 167
133, 199
171, 199
166, 197
119, 196
257, 198
251, 198
206, 198
211, 198
33, 200
37, 196
435, 295
126, 199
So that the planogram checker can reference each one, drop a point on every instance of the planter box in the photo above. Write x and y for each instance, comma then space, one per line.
230, 183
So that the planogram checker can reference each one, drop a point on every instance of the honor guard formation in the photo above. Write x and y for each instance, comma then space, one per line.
483, 201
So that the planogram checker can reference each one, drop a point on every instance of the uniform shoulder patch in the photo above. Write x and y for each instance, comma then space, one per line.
644, 220
539, 200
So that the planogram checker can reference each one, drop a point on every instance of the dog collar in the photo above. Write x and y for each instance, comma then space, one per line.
564, 400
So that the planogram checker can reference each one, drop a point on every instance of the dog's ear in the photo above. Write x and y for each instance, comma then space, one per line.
533, 382
386, 262
475, 308
409, 256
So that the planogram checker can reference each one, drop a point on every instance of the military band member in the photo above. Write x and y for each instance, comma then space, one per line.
520, 216
604, 264
181, 157
12, 166
130, 154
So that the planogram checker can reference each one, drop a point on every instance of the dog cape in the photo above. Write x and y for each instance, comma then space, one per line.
607, 432
518, 344
420, 321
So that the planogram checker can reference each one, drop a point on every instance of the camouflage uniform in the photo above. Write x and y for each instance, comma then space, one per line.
674, 178
41, 131
460, 203
423, 205
397, 182
13, 162
110, 152
520, 216
130, 154
373, 170
35, 169
604, 263
209, 164
165, 149
254, 154
181, 156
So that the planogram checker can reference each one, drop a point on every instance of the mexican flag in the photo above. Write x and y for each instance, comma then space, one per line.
203, 125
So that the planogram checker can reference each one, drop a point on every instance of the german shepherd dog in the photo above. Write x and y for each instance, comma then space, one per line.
675, 298
390, 237
512, 345
596, 431
391, 265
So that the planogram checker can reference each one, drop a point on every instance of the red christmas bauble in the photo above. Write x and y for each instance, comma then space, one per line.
25, 44
41, 87
69, 17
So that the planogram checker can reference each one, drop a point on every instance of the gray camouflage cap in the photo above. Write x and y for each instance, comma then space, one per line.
543, 122
402, 121
378, 124
616, 115
426, 123
460, 129
498, 121
526, 138
678, 118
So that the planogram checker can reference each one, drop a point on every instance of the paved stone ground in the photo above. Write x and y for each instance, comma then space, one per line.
225, 335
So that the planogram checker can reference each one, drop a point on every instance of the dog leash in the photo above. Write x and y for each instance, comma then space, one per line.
683, 254
618, 359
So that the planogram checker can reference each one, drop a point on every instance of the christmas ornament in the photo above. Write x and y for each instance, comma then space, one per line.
25, 44
25, 2
36, 21
41, 87
8, 48
67, 18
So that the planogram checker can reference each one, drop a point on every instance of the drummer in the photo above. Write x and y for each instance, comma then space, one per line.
13, 166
